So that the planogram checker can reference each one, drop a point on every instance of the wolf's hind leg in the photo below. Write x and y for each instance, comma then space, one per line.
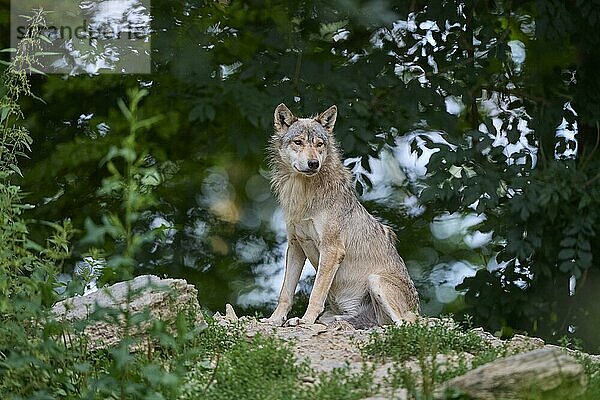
393, 301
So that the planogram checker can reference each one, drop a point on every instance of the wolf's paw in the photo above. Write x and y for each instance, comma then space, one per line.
273, 321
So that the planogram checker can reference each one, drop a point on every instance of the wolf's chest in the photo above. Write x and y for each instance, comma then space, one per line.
306, 231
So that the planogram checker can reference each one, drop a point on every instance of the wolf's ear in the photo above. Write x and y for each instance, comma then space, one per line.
327, 118
283, 118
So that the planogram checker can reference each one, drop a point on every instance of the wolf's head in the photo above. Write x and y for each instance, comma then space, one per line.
304, 143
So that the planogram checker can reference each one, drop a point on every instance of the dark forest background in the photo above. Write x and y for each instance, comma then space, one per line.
185, 192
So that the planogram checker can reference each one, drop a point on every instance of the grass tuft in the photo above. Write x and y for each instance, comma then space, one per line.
400, 343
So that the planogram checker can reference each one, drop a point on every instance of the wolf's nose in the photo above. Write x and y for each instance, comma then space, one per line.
313, 164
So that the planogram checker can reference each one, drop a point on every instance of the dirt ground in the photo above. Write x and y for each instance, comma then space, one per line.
326, 347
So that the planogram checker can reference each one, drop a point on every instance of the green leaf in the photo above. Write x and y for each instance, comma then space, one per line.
430, 193
513, 135
15, 168
35, 70
585, 259
566, 254
45, 39
147, 123
47, 53
4, 113
327, 30
124, 110
569, 242
583, 245
566, 266
151, 177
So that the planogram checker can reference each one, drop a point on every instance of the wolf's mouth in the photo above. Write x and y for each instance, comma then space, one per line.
308, 172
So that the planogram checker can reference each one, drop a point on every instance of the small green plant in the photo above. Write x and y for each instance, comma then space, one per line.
130, 185
14, 137
342, 383
32, 363
570, 343
26, 267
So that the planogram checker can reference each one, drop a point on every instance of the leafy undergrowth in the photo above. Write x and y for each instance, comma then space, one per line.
213, 363
592, 370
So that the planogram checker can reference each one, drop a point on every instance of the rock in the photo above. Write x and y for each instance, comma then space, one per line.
488, 337
521, 343
163, 299
548, 371
230, 314
318, 328
308, 379
323, 346
341, 325
545, 372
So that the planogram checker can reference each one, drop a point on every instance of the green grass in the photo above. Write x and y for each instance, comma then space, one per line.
262, 367
400, 343
214, 363
341, 383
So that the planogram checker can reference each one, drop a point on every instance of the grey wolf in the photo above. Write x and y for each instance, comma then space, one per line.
360, 276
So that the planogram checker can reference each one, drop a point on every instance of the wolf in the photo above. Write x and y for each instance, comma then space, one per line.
360, 275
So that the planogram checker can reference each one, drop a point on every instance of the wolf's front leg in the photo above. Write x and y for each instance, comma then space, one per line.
294, 262
329, 262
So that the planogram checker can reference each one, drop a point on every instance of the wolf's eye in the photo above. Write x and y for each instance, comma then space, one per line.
298, 142
320, 144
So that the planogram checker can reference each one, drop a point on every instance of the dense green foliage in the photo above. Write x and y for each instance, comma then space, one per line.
28, 270
196, 162
540, 198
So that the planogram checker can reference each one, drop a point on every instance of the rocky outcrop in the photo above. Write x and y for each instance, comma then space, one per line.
536, 370
143, 300
542, 373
